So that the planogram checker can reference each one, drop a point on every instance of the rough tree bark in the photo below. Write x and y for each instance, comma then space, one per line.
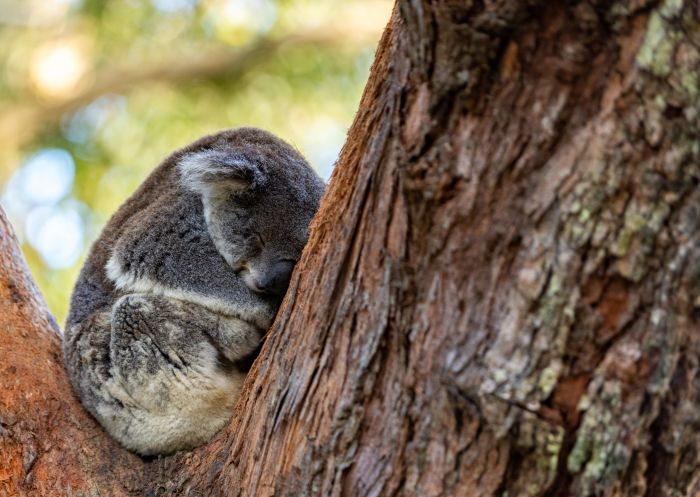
500, 295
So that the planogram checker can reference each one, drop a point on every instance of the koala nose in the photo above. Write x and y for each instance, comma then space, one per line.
275, 280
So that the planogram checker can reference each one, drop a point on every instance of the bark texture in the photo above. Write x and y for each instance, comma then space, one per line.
500, 295
49, 446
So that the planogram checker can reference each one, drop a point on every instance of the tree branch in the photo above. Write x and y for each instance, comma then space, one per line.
41, 422
21, 122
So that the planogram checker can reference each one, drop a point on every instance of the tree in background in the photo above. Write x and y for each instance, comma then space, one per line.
94, 94
499, 296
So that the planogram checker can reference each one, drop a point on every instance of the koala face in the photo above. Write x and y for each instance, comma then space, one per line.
261, 237
259, 196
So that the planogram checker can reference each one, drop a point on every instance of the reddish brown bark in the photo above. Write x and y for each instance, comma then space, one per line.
500, 292
48, 444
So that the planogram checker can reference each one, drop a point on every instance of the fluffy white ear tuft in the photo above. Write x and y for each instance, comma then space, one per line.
213, 173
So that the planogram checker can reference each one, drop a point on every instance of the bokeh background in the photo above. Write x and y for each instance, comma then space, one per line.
94, 94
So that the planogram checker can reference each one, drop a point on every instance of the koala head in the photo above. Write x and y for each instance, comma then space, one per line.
259, 196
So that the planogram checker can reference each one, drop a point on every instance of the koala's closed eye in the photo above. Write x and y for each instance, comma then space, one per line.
259, 239
252, 239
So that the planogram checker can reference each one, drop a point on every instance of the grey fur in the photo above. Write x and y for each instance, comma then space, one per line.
181, 285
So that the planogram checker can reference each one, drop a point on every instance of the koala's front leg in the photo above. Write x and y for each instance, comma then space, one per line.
178, 329
171, 369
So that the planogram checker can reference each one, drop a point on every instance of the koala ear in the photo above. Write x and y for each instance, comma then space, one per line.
215, 173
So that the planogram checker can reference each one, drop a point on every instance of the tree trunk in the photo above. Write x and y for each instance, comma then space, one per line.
499, 297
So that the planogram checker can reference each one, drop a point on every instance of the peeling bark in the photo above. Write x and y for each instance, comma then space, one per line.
500, 292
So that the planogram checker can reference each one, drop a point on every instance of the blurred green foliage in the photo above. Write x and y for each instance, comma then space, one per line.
96, 93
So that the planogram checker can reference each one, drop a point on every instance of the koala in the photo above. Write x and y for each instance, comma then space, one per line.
183, 282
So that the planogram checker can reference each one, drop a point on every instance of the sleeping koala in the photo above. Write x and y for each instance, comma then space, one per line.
182, 284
